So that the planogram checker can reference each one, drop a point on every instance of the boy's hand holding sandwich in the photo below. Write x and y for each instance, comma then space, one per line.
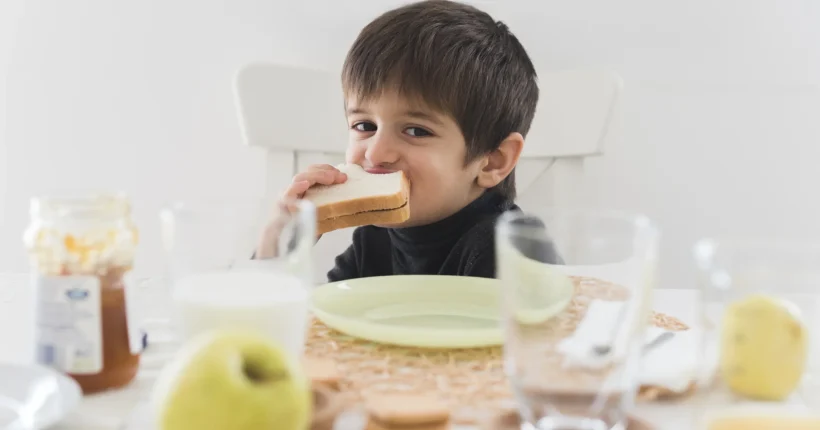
347, 196
323, 174
362, 199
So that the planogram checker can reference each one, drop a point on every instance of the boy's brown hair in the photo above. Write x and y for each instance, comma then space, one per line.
456, 59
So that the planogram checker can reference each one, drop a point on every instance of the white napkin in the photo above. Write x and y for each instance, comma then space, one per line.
673, 364
603, 325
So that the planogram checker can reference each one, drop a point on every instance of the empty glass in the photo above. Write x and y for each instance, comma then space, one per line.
215, 282
576, 287
761, 313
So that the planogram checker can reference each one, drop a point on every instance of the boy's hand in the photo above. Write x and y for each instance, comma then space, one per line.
323, 174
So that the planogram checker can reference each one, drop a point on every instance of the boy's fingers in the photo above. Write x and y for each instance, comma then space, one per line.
324, 174
296, 189
324, 177
321, 167
339, 178
303, 181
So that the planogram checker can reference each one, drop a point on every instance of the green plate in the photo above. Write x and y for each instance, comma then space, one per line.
414, 310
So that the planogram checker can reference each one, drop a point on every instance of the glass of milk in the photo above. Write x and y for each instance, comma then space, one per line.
240, 266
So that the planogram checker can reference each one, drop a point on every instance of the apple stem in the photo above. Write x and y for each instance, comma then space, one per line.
258, 374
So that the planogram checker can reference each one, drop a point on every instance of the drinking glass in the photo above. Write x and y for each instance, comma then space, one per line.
761, 313
217, 280
575, 305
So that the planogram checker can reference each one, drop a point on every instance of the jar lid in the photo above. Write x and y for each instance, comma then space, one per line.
81, 207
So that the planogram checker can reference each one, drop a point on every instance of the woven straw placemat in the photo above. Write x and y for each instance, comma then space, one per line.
471, 381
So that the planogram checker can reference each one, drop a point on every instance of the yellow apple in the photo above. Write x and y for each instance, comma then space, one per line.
764, 348
228, 380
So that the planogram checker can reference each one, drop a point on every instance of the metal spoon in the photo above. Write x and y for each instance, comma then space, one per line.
657, 341
665, 336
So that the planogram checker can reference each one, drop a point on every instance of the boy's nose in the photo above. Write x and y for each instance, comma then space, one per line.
381, 151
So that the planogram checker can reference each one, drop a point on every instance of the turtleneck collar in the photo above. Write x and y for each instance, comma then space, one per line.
450, 229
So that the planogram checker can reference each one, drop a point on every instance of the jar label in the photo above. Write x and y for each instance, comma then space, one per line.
132, 314
69, 323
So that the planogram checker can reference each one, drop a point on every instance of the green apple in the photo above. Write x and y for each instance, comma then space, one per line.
229, 380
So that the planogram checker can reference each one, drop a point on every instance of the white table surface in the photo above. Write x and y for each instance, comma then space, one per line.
111, 410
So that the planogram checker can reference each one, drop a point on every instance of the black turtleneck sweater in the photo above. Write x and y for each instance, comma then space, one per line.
462, 244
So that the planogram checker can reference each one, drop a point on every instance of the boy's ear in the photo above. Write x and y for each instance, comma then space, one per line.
498, 164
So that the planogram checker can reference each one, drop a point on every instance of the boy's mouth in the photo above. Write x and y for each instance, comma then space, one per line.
379, 170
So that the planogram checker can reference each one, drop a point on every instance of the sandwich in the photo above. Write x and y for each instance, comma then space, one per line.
364, 199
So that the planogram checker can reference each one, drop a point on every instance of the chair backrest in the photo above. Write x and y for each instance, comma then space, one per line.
297, 116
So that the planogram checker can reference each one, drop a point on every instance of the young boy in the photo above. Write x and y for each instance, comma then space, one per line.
443, 92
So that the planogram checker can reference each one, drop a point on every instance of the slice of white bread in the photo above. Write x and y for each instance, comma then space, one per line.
364, 199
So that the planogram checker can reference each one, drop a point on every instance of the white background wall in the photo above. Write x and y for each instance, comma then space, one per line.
721, 132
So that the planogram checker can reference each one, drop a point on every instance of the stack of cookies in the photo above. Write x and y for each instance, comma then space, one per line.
386, 412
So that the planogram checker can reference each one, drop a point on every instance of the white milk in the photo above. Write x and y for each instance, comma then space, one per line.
272, 303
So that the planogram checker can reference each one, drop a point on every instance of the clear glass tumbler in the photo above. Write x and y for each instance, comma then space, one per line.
577, 286
218, 281
761, 319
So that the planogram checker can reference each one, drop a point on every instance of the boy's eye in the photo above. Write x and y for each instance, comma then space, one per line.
364, 126
417, 132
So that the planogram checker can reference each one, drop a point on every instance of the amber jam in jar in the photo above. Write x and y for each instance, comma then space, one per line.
81, 251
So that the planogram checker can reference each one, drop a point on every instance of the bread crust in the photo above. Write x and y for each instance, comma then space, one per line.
365, 204
392, 216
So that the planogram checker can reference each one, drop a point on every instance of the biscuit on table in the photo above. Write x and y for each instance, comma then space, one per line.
650, 393
407, 412
375, 425
323, 371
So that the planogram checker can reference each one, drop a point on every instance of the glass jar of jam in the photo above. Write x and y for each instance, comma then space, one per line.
81, 251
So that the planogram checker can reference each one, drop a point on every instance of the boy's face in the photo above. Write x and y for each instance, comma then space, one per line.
389, 133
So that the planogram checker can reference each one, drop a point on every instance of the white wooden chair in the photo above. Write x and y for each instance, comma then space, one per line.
296, 115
